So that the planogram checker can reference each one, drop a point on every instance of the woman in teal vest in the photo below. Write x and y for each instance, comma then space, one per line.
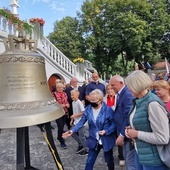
148, 123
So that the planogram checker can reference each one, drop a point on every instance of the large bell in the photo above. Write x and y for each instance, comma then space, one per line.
25, 98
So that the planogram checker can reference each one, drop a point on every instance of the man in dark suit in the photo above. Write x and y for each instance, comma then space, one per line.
73, 85
123, 106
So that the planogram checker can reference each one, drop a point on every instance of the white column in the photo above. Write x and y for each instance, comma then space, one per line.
15, 6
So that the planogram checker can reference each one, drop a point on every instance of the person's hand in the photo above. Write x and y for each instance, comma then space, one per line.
87, 97
126, 131
67, 105
102, 132
67, 134
132, 133
120, 140
73, 116
83, 102
71, 122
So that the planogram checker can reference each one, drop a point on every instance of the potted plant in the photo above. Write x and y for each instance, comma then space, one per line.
37, 21
78, 60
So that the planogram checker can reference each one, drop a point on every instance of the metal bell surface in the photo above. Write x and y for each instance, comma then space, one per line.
25, 98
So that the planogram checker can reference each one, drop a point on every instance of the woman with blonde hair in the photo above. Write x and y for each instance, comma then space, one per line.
110, 98
162, 90
148, 123
62, 99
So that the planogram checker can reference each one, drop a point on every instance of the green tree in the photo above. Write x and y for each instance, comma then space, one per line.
94, 26
131, 28
112, 34
67, 37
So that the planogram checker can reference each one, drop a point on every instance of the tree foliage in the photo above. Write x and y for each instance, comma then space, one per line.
67, 37
114, 33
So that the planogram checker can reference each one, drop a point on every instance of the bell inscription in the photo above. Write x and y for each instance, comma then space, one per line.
19, 82
25, 98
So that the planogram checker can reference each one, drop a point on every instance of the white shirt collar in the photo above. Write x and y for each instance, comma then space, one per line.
121, 89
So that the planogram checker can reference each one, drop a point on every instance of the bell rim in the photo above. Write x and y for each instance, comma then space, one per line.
25, 118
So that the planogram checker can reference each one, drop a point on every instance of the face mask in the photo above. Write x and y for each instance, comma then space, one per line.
94, 104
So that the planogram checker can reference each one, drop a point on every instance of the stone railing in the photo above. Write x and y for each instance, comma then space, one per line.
58, 57
7, 26
49, 49
87, 74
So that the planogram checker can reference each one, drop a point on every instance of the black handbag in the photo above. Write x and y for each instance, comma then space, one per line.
91, 142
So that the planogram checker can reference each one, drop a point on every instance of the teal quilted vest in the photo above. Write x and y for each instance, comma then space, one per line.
148, 154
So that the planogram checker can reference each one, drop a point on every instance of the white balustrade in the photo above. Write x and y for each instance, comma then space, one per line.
49, 49
87, 74
6, 26
9, 27
57, 56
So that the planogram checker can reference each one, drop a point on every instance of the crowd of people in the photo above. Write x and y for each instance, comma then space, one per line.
129, 113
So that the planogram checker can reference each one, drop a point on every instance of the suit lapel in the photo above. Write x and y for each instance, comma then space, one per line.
119, 97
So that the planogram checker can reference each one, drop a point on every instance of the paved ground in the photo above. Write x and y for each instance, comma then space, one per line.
41, 157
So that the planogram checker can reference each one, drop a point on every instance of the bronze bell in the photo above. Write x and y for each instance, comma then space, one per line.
25, 98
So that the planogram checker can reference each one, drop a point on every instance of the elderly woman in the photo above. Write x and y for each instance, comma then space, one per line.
110, 98
162, 90
62, 99
148, 123
101, 128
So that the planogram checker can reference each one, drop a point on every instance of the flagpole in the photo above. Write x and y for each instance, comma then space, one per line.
167, 66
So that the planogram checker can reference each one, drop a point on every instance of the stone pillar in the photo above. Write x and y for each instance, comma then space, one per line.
38, 33
80, 71
15, 6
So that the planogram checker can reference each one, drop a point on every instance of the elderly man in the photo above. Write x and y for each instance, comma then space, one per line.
123, 105
74, 85
95, 84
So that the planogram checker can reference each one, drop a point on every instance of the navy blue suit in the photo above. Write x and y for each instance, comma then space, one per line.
122, 109
121, 118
